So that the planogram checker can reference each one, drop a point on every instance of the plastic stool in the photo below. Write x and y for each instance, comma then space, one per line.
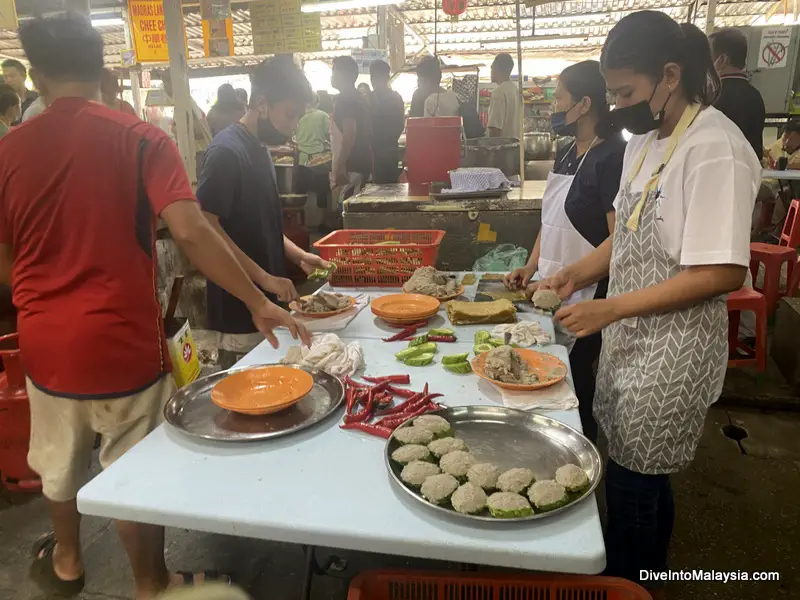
774, 256
747, 299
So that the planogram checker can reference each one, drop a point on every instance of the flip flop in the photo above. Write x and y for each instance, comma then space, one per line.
208, 577
44, 574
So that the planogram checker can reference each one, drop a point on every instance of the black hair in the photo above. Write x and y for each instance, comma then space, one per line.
503, 63
732, 43
428, 68
325, 101
64, 47
584, 80
792, 126
278, 79
646, 40
379, 69
8, 98
10, 63
348, 66
241, 93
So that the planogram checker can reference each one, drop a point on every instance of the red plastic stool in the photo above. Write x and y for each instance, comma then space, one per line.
747, 299
774, 256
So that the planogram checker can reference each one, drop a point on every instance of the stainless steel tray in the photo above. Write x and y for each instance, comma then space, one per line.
513, 438
192, 411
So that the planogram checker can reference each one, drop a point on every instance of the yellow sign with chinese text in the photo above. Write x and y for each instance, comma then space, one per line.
148, 30
8, 14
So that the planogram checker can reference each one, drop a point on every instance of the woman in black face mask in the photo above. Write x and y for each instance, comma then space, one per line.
578, 209
681, 243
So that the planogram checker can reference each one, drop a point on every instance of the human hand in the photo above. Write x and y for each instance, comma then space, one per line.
561, 283
311, 262
518, 278
281, 287
588, 317
267, 316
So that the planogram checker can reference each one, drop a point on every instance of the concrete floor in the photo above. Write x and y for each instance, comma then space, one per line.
737, 511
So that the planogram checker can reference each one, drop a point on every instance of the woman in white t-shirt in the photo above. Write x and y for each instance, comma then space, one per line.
681, 243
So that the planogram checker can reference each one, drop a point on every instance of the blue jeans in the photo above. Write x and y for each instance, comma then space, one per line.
641, 513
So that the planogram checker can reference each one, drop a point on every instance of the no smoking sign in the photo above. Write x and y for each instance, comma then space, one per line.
772, 50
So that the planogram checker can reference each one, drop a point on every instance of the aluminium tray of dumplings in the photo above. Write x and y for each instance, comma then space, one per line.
511, 438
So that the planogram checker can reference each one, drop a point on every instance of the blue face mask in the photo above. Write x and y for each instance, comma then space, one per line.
558, 121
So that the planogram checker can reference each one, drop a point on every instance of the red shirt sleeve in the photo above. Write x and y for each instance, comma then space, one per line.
165, 179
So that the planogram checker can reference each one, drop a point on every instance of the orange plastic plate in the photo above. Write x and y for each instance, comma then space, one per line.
548, 368
262, 391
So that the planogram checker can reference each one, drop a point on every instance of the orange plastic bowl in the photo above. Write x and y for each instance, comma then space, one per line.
404, 306
321, 315
548, 368
262, 391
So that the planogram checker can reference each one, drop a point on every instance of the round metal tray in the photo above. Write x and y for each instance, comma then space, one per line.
192, 411
511, 438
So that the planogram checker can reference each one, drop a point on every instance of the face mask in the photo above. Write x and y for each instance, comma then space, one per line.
269, 134
637, 118
558, 121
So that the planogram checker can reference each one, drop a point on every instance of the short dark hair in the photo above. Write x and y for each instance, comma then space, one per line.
11, 63
646, 40
428, 68
63, 47
8, 98
503, 63
792, 126
732, 43
584, 80
279, 79
379, 69
348, 66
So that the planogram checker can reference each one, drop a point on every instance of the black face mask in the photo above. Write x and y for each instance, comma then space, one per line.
637, 118
269, 134
558, 122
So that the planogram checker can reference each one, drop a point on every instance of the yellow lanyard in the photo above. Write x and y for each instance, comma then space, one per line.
687, 118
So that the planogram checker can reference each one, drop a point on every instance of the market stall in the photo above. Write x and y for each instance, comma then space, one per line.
325, 486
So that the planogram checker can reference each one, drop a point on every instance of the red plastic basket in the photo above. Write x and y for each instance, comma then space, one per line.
420, 585
379, 257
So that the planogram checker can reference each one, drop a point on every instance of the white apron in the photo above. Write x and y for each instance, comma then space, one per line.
659, 373
561, 244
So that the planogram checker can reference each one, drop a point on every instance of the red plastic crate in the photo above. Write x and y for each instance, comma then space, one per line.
420, 585
379, 257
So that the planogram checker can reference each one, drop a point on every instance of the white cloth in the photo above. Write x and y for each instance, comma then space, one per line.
524, 333
335, 322
504, 110
555, 397
327, 353
706, 192
476, 179
561, 244
36, 108
443, 103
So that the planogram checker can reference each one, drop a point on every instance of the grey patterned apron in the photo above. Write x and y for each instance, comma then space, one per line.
658, 374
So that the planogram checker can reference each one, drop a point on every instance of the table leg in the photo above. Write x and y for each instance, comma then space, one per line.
332, 564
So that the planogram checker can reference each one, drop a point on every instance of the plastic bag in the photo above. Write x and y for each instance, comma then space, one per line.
505, 258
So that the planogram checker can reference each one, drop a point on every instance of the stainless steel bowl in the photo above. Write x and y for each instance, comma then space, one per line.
502, 153
538, 146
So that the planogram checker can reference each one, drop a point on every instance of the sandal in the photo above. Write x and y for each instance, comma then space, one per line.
208, 577
43, 572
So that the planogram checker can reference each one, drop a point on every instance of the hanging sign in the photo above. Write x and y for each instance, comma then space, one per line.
148, 30
279, 27
774, 47
8, 14
215, 9
218, 37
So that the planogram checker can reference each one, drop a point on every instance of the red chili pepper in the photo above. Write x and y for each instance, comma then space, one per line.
402, 335
413, 325
427, 399
383, 432
402, 392
383, 400
425, 389
352, 383
449, 339
399, 379
349, 396
401, 407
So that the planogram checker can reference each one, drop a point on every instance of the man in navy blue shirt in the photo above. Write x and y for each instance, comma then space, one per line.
238, 191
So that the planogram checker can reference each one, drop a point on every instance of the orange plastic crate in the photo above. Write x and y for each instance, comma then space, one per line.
379, 257
420, 585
